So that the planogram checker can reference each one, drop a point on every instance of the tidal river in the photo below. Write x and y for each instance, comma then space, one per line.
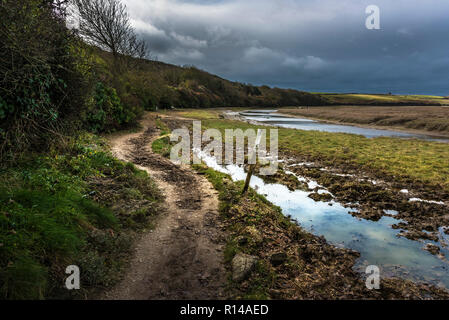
273, 118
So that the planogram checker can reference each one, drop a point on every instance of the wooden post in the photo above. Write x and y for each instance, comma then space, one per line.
252, 166
248, 177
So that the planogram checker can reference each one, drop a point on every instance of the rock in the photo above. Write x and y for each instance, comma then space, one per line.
278, 258
242, 265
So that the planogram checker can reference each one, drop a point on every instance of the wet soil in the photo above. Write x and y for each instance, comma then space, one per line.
370, 192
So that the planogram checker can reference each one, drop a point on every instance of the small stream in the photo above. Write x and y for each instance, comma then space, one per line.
376, 242
273, 118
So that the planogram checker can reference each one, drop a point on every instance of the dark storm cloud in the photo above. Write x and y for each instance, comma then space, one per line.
316, 45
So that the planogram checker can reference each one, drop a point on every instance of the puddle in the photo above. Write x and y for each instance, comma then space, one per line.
376, 242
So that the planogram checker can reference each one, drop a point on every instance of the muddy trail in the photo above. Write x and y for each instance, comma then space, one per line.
182, 258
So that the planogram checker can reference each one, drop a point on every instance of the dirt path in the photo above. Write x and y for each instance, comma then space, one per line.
182, 258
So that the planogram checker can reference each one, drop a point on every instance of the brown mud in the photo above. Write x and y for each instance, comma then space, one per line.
182, 258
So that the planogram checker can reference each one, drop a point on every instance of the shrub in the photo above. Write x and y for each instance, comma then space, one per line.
107, 112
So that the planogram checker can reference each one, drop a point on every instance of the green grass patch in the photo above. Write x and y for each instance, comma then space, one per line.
162, 146
162, 126
199, 114
57, 210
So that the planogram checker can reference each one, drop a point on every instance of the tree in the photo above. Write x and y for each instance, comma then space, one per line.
105, 23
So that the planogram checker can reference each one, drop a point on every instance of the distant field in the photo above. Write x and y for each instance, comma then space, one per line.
431, 119
383, 99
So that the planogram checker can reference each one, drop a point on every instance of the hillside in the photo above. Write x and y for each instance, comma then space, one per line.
158, 84
161, 85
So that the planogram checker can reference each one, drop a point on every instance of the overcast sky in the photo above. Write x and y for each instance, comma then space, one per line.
312, 45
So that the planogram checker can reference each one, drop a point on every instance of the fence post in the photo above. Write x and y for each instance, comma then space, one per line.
252, 156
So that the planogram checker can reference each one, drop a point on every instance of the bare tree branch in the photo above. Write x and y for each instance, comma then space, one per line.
105, 23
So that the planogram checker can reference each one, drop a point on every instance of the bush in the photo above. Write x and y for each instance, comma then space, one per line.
107, 112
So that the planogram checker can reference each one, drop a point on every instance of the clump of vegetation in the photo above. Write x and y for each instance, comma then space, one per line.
73, 206
107, 112
52, 83
163, 144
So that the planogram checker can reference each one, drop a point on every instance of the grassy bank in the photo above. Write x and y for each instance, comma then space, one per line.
434, 120
76, 205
